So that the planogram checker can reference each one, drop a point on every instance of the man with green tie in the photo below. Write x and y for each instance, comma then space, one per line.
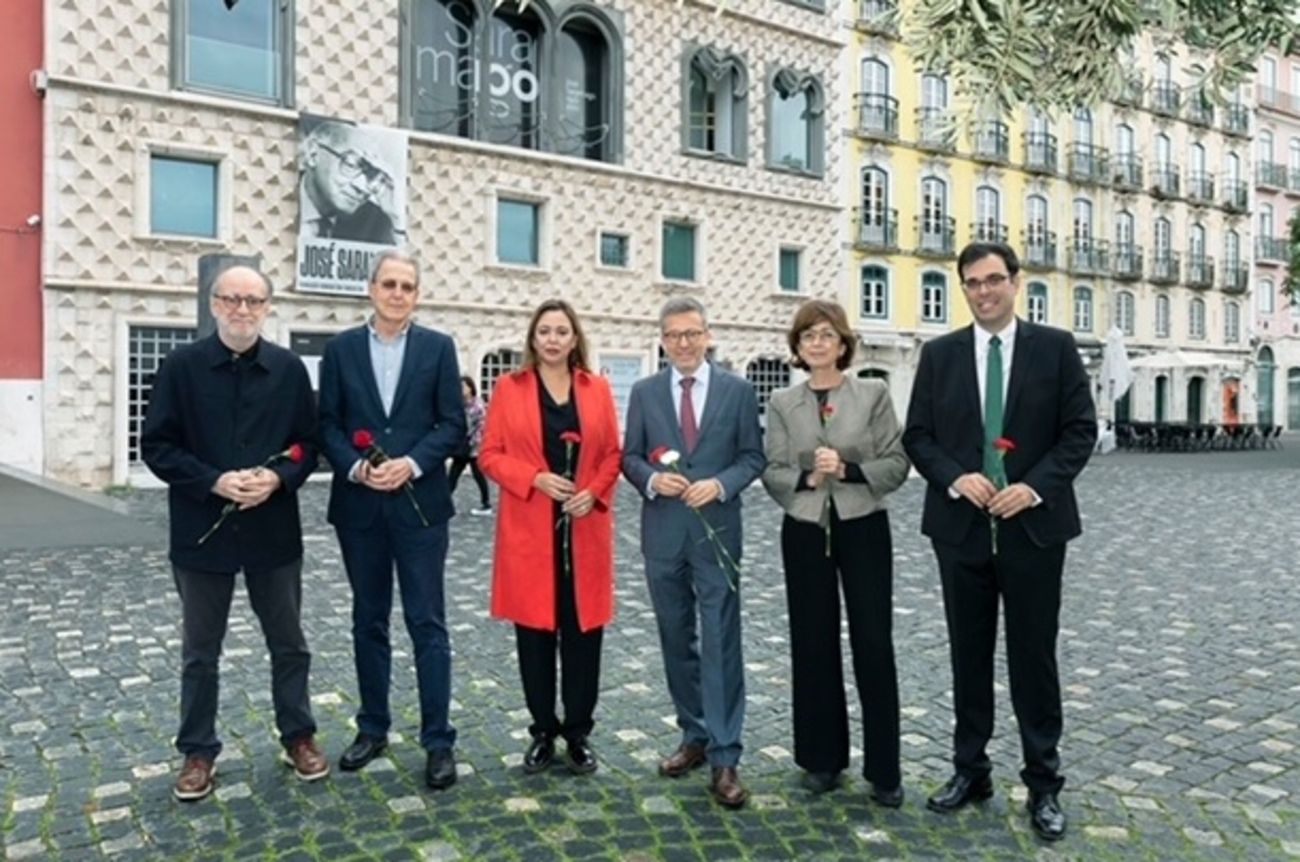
1000, 423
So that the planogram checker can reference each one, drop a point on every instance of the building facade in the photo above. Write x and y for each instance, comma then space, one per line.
1276, 318
1130, 214
612, 153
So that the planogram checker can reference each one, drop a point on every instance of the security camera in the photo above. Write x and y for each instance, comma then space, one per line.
33, 220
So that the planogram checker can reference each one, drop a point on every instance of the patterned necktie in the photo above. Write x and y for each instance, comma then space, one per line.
690, 431
993, 467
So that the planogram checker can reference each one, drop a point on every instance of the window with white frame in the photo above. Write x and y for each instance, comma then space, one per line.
614, 249
1125, 312
146, 348
767, 375
1196, 319
1083, 309
519, 229
874, 228
934, 297
1264, 299
1036, 298
789, 269
243, 49
1162, 316
1231, 323
183, 196
875, 292
494, 366
678, 253
1082, 126
717, 84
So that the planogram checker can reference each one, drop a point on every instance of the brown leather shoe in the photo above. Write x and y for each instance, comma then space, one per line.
196, 778
308, 761
726, 787
682, 761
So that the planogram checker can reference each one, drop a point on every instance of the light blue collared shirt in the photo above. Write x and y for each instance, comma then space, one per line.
386, 359
699, 394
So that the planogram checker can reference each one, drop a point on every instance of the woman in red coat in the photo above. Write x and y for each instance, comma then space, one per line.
551, 442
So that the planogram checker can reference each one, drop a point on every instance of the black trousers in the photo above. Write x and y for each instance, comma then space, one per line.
458, 465
1027, 579
860, 563
579, 654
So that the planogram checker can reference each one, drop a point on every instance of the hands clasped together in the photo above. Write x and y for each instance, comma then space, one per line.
387, 477
247, 488
695, 495
574, 502
1006, 503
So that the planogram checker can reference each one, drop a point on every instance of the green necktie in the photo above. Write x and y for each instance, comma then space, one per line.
993, 467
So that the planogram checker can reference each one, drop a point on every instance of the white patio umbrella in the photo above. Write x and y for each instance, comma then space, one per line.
1116, 372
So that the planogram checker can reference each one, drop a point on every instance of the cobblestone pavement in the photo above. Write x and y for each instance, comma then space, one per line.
1180, 657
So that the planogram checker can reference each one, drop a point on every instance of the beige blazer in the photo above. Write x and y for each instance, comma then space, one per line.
862, 428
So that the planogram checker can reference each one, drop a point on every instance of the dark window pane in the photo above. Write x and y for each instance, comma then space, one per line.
790, 270
514, 114
183, 197
582, 63
517, 223
613, 249
792, 130
236, 50
442, 41
679, 251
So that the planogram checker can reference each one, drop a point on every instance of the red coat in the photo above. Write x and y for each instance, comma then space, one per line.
523, 570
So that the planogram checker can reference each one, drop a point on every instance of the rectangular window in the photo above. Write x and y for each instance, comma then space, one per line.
182, 196
934, 306
518, 226
679, 251
789, 270
613, 249
875, 293
146, 348
236, 49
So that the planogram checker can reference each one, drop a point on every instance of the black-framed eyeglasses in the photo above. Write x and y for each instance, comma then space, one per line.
254, 303
992, 282
352, 164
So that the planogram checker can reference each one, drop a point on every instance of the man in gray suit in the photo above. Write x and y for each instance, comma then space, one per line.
710, 416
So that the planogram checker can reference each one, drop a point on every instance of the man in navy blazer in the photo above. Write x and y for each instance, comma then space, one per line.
710, 417
400, 382
999, 509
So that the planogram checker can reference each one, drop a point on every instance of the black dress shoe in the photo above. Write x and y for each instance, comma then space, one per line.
579, 758
363, 749
960, 791
540, 754
818, 783
1046, 816
440, 769
889, 797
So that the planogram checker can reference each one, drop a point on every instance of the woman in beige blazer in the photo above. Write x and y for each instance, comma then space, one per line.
833, 454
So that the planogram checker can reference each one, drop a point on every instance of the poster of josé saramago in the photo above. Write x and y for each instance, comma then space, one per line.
351, 201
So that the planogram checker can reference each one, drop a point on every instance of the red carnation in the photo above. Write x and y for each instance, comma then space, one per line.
828, 410
363, 439
657, 454
1004, 445
296, 453
571, 437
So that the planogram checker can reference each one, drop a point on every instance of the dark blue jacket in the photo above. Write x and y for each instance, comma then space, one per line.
209, 414
427, 423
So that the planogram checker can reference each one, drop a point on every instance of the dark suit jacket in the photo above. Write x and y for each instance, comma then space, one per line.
1049, 416
730, 448
208, 415
427, 423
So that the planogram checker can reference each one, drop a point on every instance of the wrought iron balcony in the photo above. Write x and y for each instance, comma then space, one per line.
1131, 91
1271, 174
1165, 181
988, 231
1236, 275
1200, 270
1087, 163
1200, 110
1236, 120
1126, 171
1040, 250
935, 130
1088, 256
1126, 261
1236, 197
1271, 248
1200, 187
879, 17
936, 237
990, 142
877, 229
1040, 152
1165, 266
877, 116
1166, 98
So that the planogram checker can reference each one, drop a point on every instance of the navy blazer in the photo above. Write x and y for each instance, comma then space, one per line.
730, 448
1049, 416
427, 423
209, 414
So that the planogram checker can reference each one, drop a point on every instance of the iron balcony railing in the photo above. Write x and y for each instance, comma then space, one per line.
1165, 266
1200, 110
1200, 187
988, 231
1087, 256
1271, 248
1236, 197
935, 130
936, 237
990, 142
1086, 163
878, 16
1126, 171
1165, 182
1236, 275
1165, 98
1200, 270
1040, 249
1040, 152
1131, 91
1236, 120
1126, 261
877, 116
1271, 174
877, 229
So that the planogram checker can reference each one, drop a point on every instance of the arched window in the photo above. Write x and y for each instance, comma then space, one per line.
493, 366
875, 77
875, 292
1266, 369
988, 215
1124, 140
1124, 312
1234, 167
934, 297
716, 100
1082, 223
1265, 221
1231, 249
1196, 242
876, 222
1264, 299
1164, 151
1162, 316
1264, 146
1231, 323
934, 214
767, 375
1082, 126
796, 116
1124, 234
1036, 297
1196, 319
1083, 309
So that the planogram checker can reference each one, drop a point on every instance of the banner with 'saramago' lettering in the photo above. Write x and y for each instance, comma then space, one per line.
351, 201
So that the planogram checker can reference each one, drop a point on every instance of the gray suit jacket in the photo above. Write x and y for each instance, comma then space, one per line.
730, 449
862, 428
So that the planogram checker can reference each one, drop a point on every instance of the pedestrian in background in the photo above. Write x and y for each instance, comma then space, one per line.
468, 455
